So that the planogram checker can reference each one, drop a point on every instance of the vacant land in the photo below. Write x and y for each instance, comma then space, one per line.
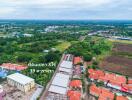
12, 93
123, 48
63, 45
117, 64
121, 41
120, 60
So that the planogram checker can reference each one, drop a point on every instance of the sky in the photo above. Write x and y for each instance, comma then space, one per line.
66, 9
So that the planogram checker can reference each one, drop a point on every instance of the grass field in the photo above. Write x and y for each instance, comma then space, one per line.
121, 41
63, 45
103, 55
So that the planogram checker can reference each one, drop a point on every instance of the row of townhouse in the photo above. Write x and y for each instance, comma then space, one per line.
105, 94
112, 80
75, 85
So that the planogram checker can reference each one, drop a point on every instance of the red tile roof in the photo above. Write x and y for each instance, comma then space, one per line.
118, 80
100, 73
106, 95
129, 81
76, 83
95, 74
11, 66
77, 60
90, 71
103, 78
115, 79
101, 92
74, 95
121, 79
121, 98
94, 90
101, 98
112, 78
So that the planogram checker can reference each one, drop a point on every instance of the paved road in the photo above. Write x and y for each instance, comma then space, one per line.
48, 85
37, 92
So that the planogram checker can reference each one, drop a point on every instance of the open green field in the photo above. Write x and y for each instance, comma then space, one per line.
121, 41
63, 46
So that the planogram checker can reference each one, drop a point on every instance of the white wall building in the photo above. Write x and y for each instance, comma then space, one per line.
21, 81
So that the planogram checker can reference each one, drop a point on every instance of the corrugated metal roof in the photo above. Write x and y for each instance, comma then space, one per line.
66, 64
57, 89
59, 83
62, 75
61, 80
65, 70
20, 78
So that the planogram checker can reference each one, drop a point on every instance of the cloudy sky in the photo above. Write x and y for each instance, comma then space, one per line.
65, 9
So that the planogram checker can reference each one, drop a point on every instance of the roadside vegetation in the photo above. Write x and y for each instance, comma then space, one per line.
90, 47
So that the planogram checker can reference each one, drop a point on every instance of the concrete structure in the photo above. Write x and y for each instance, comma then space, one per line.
21, 81
27, 35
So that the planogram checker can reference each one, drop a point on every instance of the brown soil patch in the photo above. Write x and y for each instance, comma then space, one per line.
123, 47
119, 60
117, 64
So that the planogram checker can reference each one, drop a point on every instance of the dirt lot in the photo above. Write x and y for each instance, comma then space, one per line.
119, 60
119, 64
12, 93
125, 70
123, 47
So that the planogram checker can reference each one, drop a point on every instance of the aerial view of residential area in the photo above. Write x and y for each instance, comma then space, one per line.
79, 54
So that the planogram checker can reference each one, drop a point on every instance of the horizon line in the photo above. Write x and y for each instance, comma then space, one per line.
73, 19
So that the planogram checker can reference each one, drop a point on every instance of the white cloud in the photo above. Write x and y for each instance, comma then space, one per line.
6, 10
64, 8
58, 3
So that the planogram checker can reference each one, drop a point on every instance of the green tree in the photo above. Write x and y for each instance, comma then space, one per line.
24, 58
87, 57
51, 56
